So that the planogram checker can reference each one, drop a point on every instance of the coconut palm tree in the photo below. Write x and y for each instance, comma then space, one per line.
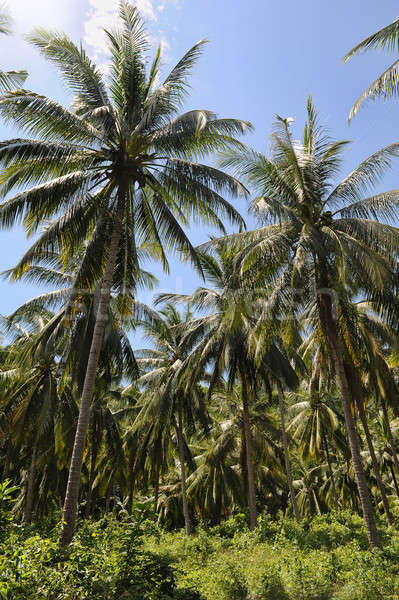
119, 168
315, 425
319, 242
31, 403
220, 340
386, 84
167, 405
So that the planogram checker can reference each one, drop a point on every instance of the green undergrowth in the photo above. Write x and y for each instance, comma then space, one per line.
325, 558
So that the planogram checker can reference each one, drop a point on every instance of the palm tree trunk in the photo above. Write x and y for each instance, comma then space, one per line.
315, 378
331, 331
286, 453
108, 498
249, 452
92, 474
156, 490
390, 435
30, 486
330, 469
243, 458
374, 461
187, 522
395, 482
72, 491
6, 468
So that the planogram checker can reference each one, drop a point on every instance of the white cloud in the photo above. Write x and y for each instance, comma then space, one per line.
104, 14
41, 13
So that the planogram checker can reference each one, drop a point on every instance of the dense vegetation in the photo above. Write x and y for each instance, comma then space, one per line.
121, 556
263, 415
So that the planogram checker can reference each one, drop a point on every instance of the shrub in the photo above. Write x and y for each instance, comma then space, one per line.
231, 582
270, 586
231, 527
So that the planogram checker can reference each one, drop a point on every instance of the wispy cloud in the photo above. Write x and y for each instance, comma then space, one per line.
104, 14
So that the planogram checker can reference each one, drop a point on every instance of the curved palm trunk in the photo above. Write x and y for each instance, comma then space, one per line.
331, 331
286, 454
30, 486
391, 440
72, 491
374, 461
180, 439
249, 453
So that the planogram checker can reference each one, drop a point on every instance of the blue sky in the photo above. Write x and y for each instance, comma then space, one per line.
264, 57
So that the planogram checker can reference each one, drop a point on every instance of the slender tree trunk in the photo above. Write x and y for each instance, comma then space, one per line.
92, 474
243, 458
130, 497
286, 453
6, 468
395, 481
330, 328
180, 439
156, 490
249, 452
374, 461
108, 498
330, 469
315, 378
390, 436
72, 491
30, 486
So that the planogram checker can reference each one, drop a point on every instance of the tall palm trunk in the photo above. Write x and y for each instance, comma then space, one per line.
6, 467
92, 475
30, 486
330, 469
355, 386
286, 454
314, 387
180, 439
72, 491
156, 489
331, 331
390, 435
108, 497
243, 458
248, 452
374, 461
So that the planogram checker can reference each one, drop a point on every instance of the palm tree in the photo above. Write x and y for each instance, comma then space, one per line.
315, 425
287, 460
386, 84
168, 406
119, 168
215, 487
32, 401
317, 240
220, 340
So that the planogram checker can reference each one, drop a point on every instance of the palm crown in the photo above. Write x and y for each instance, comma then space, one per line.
123, 141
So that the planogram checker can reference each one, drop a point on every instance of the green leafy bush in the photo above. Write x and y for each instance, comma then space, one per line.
133, 559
